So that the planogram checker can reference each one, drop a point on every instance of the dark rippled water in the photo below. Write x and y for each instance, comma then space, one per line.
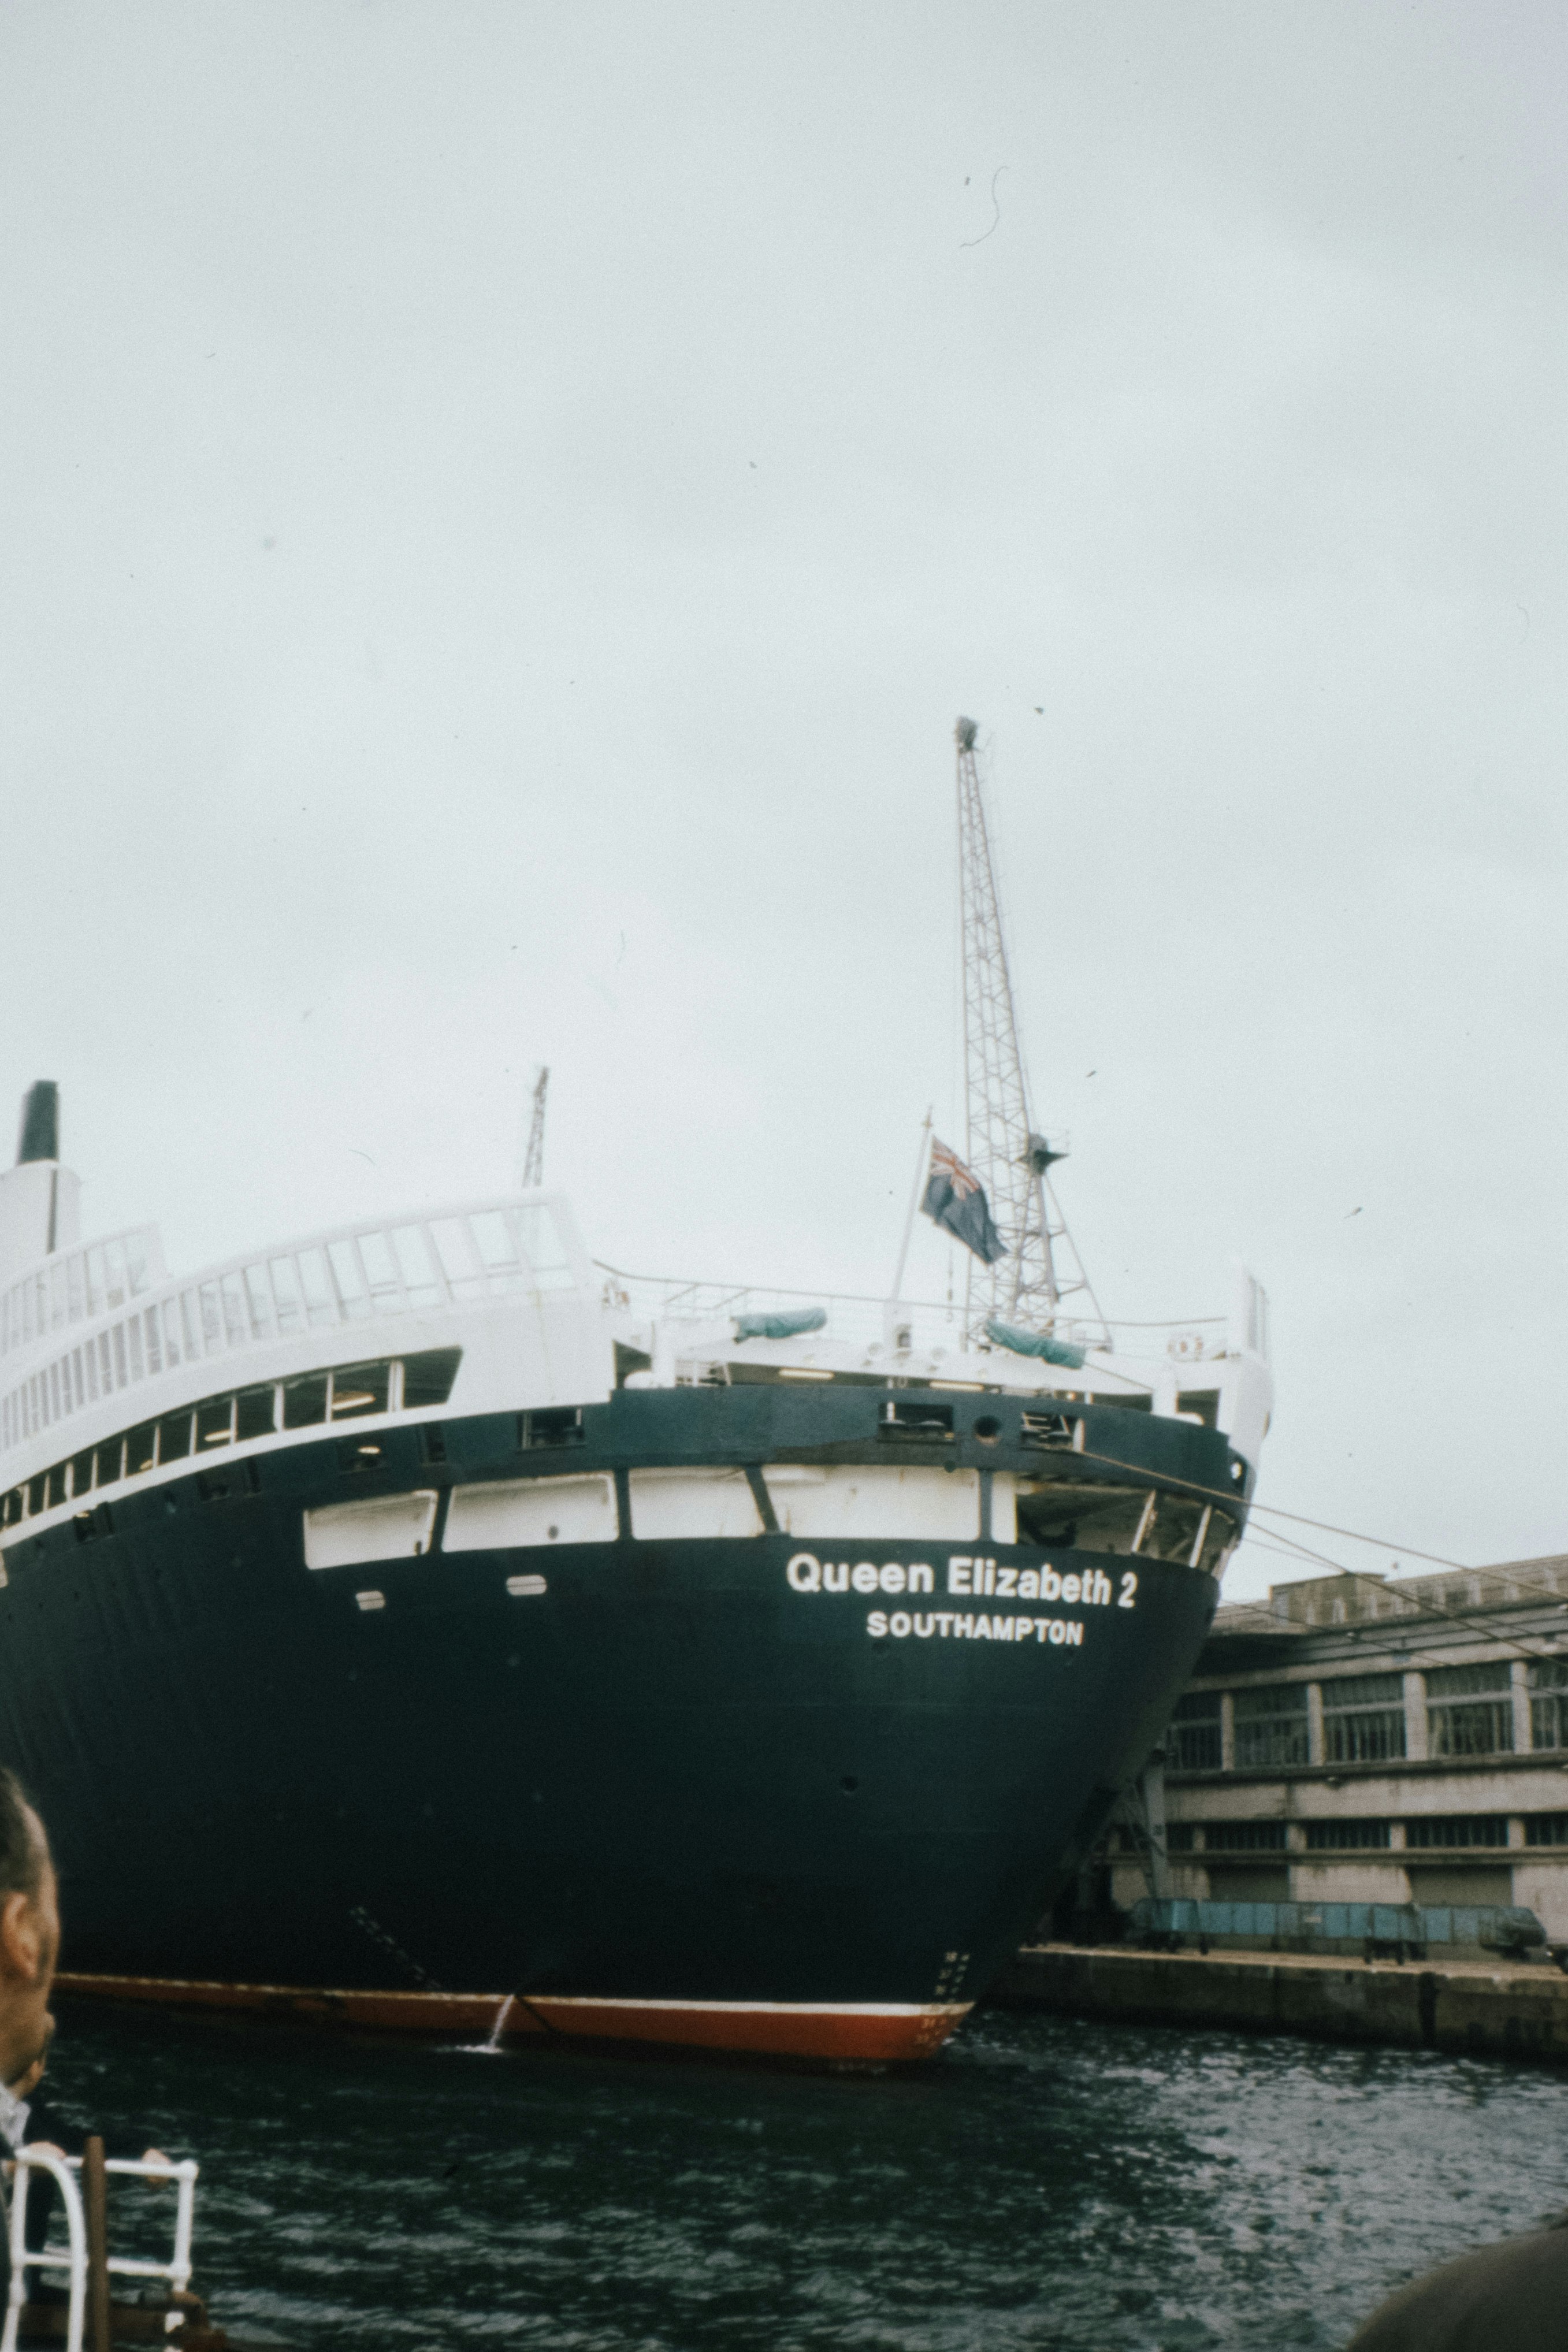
1046, 2184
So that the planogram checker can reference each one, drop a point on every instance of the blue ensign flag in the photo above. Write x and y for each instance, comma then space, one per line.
955, 1198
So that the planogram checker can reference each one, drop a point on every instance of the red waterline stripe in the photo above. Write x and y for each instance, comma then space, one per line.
886, 2032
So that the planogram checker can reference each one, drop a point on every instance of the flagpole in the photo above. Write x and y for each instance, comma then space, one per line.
920, 1158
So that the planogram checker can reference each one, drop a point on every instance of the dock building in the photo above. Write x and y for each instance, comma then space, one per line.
1357, 1739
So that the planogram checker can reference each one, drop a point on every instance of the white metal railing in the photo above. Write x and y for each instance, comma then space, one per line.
331, 1281
73, 2258
78, 1285
856, 1319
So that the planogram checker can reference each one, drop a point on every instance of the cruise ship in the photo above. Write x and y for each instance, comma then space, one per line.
424, 1626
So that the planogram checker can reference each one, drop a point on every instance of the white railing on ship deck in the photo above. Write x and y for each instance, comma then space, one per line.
73, 2258
858, 1321
78, 1285
331, 1280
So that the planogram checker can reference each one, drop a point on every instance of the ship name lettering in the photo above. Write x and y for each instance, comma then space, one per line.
979, 1576
1060, 1633
806, 1573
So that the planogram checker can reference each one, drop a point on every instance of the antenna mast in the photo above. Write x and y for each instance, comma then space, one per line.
1042, 1268
534, 1158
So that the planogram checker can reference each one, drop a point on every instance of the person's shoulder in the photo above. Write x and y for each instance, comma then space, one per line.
1505, 2298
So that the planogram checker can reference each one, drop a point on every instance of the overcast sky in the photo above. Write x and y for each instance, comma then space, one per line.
503, 504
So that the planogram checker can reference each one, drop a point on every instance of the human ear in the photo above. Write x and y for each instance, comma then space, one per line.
21, 1936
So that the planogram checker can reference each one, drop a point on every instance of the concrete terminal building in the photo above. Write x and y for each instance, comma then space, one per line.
1356, 1740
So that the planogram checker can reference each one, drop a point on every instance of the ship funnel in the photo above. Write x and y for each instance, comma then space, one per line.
40, 1133
40, 1202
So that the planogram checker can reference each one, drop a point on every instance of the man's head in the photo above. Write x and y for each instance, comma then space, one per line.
29, 1932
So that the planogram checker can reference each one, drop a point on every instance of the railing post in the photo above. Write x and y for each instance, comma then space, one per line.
95, 2204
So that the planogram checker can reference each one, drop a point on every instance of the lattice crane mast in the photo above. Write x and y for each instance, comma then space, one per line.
1042, 1268
534, 1158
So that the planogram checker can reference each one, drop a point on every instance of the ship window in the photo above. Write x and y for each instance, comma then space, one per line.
349, 1279
1177, 1519
1081, 1511
360, 1453
141, 1448
37, 1490
13, 1508
1192, 1743
454, 1250
258, 1301
1470, 1710
360, 1387
305, 1401
380, 1273
81, 1474
902, 1418
428, 1377
1549, 1702
109, 1459
256, 1413
561, 1425
285, 1294
543, 1248
1221, 1536
214, 1423
174, 1436
413, 1254
170, 1332
212, 1319
492, 1239
316, 1283
233, 1294
1271, 1725
1363, 1718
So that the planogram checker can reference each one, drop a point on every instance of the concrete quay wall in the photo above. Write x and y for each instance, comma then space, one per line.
1481, 2008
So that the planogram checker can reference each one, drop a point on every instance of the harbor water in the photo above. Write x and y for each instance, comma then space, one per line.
1046, 2183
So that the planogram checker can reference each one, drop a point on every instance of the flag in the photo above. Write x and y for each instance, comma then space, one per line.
955, 1198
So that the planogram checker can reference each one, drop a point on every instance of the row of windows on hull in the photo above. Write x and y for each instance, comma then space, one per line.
831, 1503
343, 1394
1469, 1711
1423, 1833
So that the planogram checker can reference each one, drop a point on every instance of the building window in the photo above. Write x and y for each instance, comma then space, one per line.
1363, 1718
1180, 1837
1549, 1703
1192, 1742
1458, 1829
1330, 1837
1271, 1725
1244, 1837
1469, 1711
1546, 1829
